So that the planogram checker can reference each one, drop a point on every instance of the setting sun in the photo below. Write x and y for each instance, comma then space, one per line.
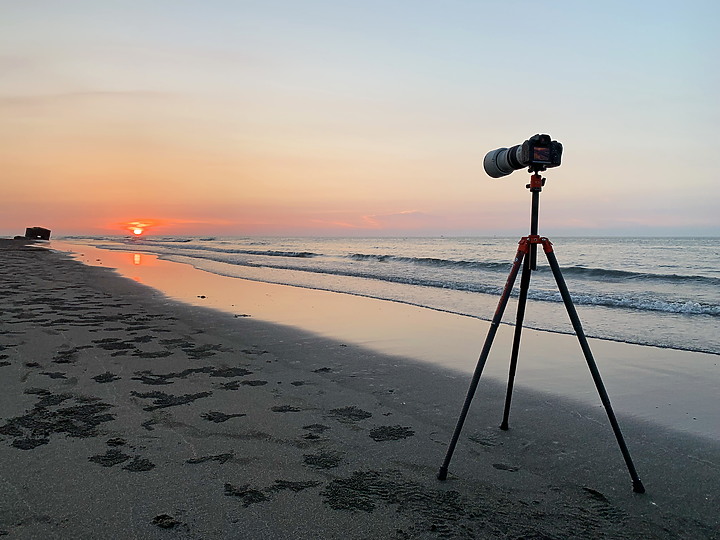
139, 227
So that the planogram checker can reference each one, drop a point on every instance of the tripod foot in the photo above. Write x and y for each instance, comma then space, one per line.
504, 426
442, 473
638, 486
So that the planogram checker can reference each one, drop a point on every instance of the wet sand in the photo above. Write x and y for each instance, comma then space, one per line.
124, 413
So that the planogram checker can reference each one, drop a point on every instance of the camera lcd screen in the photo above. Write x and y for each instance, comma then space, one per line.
541, 154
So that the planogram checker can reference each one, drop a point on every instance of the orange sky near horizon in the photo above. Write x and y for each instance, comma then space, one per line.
353, 119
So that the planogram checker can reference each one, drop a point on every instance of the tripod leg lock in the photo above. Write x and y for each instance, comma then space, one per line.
525, 242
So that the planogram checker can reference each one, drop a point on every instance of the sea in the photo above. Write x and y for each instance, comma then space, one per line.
662, 292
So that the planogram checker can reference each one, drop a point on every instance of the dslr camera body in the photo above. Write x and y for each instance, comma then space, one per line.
538, 153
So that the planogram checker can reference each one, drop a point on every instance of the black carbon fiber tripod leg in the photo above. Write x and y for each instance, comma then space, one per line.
522, 301
442, 473
570, 307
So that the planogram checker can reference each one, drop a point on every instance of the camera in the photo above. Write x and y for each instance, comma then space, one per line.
538, 153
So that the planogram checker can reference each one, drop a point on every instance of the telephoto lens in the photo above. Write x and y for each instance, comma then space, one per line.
503, 161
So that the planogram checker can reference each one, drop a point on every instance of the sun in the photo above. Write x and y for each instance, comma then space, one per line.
139, 227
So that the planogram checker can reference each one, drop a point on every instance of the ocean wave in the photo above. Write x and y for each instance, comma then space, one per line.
472, 283
430, 261
640, 304
601, 274
581, 272
93, 238
595, 274
611, 301
170, 240
187, 246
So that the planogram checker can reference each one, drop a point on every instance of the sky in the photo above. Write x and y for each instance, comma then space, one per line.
356, 118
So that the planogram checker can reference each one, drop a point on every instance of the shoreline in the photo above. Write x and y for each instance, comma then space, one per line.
143, 416
643, 307
671, 388
482, 315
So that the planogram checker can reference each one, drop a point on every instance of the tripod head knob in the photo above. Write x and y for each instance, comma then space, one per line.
536, 182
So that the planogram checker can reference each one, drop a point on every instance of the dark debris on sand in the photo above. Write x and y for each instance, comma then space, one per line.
220, 458
323, 460
105, 377
246, 494
390, 433
110, 458
139, 464
218, 417
150, 378
165, 521
162, 400
253, 495
351, 413
69, 414
285, 408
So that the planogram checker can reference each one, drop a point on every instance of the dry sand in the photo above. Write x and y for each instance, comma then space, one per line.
126, 415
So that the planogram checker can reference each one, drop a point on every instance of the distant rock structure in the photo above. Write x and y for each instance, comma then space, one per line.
37, 233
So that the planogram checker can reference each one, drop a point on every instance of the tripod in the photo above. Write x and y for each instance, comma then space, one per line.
527, 256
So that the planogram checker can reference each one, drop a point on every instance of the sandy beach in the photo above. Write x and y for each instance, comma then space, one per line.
128, 414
